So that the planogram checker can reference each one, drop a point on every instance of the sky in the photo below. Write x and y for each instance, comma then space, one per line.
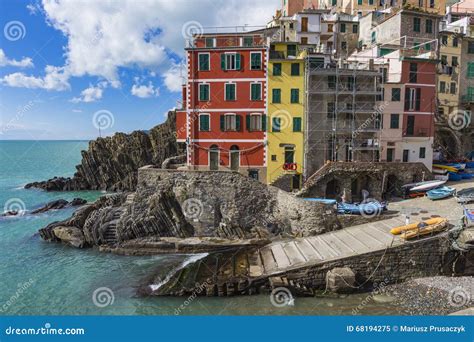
77, 69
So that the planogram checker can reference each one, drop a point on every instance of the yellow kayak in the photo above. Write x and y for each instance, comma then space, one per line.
445, 167
414, 226
411, 234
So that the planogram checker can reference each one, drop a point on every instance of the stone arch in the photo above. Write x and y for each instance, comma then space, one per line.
333, 188
448, 142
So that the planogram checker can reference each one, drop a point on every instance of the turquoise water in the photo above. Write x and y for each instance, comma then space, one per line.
41, 278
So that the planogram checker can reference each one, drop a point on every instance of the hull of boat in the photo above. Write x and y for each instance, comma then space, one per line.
370, 208
441, 177
440, 171
414, 226
454, 177
441, 193
465, 196
469, 217
322, 200
434, 228
425, 186
445, 167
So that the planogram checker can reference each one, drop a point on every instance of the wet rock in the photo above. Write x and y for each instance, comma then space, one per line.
340, 280
9, 213
57, 204
111, 163
77, 201
70, 235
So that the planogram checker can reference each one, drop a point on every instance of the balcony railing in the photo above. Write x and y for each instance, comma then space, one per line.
222, 42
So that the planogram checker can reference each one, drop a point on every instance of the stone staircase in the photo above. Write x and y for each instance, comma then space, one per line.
110, 234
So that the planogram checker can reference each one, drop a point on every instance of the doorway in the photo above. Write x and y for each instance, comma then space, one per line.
234, 158
214, 158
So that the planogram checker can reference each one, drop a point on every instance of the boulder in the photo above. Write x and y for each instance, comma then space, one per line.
340, 280
70, 235
57, 204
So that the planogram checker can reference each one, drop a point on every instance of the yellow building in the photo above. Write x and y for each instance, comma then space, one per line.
286, 116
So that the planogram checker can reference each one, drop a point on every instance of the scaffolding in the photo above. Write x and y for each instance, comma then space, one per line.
343, 122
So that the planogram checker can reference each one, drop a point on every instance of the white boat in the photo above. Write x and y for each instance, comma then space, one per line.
425, 186
439, 171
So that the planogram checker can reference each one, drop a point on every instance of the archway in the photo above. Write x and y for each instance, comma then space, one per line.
333, 189
448, 143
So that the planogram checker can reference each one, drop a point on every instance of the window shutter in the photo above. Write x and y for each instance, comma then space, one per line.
222, 123
237, 62
237, 123
247, 119
418, 99
296, 124
264, 122
407, 98
223, 61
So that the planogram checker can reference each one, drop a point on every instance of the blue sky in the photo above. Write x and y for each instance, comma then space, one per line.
68, 67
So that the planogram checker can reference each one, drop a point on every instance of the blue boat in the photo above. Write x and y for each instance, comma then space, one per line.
454, 177
369, 209
469, 217
440, 193
322, 200
466, 175
470, 165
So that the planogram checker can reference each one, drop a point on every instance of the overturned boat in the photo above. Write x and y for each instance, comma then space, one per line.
465, 195
370, 208
440, 193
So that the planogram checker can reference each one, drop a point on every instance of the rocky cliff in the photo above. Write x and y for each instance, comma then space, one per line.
111, 163
170, 203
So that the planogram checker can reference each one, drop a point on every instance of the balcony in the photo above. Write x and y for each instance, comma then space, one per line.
226, 41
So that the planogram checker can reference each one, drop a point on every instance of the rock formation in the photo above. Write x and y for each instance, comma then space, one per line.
111, 163
196, 204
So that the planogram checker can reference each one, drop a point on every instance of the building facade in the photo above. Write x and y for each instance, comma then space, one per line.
286, 115
223, 119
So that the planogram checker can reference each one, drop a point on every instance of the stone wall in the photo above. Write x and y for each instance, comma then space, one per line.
381, 180
422, 258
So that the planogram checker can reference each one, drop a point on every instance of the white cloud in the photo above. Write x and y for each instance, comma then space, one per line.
25, 62
104, 36
145, 91
77, 111
90, 94
55, 79
173, 78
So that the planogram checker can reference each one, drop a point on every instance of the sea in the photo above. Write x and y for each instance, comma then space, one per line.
44, 278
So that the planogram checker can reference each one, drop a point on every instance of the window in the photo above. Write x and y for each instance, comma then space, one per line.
248, 41
276, 95
413, 72
470, 47
204, 92
344, 46
291, 50
359, 2
406, 154
230, 92
276, 125
390, 154
428, 46
422, 154
371, 2
304, 40
442, 87
209, 42
444, 40
334, 2
420, 3
230, 61
255, 122
394, 121
295, 69
417, 24
331, 82
373, 37
230, 122
343, 27
410, 131
470, 70
274, 158
255, 91
204, 122
255, 61
295, 96
304, 24
429, 26
452, 88
355, 29
454, 61
296, 124
331, 114
289, 155
396, 94
432, 3
444, 59
276, 69
203, 62
412, 99
455, 41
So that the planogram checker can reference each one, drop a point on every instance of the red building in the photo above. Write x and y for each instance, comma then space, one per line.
223, 119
